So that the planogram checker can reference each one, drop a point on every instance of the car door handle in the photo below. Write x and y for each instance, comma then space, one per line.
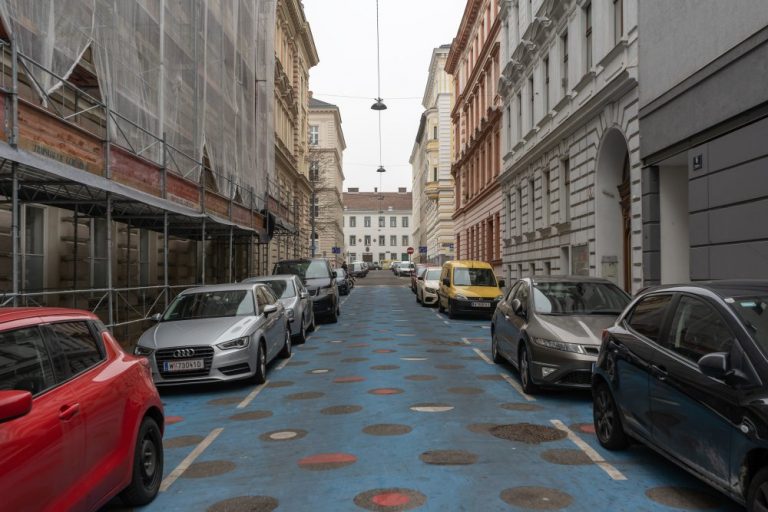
659, 372
67, 412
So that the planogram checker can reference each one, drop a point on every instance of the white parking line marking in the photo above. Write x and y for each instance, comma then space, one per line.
590, 452
482, 356
283, 363
466, 341
517, 387
446, 322
182, 467
252, 395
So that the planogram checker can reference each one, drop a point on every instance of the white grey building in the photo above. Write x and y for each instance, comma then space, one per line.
377, 225
571, 164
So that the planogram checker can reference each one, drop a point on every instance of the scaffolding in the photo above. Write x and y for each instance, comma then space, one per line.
168, 130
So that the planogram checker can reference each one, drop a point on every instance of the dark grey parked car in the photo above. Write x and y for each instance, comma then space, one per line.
319, 279
295, 299
550, 328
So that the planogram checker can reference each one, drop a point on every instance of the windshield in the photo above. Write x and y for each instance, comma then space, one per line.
432, 274
420, 272
570, 298
281, 289
210, 305
753, 311
303, 269
473, 277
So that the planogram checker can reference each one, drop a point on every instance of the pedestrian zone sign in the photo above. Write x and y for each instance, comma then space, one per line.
422, 249
336, 250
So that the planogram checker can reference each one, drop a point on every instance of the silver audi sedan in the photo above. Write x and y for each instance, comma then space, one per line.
295, 299
217, 333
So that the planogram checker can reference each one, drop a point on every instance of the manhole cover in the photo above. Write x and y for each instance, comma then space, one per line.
245, 504
448, 457
566, 457
251, 415
279, 384
683, 497
385, 367
420, 378
326, 461
341, 409
536, 498
465, 391
390, 500
208, 468
387, 429
521, 407
283, 435
310, 395
527, 433
181, 441
230, 400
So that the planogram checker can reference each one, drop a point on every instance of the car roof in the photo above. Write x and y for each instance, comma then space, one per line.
469, 264
221, 287
724, 288
14, 314
300, 260
276, 277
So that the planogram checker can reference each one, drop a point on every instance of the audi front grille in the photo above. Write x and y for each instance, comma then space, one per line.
183, 353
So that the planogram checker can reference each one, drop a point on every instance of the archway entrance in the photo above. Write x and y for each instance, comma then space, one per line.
613, 211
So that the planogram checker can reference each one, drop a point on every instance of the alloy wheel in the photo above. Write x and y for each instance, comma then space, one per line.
604, 414
148, 459
760, 503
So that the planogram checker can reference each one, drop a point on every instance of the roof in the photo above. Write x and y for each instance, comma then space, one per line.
316, 103
12, 314
470, 263
375, 201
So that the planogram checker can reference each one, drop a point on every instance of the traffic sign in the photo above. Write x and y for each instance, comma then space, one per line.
410, 250
423, 249
336, 250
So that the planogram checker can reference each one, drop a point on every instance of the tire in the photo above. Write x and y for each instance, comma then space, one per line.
524, 367
147, 465
260, 377
418, 300
312, 325
440, 307
285, 353
497, 357
334, 317
301, 338
605, 414
451, 314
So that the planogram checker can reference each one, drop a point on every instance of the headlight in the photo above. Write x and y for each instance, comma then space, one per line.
460, 297
559, 345
499, 297
430, 290
142, 351
235, 344
289, 314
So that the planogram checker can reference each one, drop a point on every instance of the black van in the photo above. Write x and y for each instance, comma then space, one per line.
320, 280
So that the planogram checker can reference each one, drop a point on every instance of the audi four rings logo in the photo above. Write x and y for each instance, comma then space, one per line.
184, 352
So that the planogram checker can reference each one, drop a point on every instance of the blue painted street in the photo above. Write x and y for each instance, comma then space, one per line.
395, 407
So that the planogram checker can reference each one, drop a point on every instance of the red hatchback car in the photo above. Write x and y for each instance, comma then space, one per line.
80, 420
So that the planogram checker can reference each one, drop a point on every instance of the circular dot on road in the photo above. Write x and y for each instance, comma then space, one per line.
385, 391
536, 498
359, 345
385, 367
229, 400
683, 497
528, 433
208, 468
279, 384
566, 457
491, 377
387, 429
318, 371
521, 407
584, 428
448, 457
348, 380
465, 391
383, 351
296, 363
170, 420
309, 395
431, 407
326, 461
283, 435
390, 500
251, 415
336, 341
413, 358
421, 378
245, 504
341, 409
182, 441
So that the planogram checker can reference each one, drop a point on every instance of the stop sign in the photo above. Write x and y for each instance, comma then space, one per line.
410, 250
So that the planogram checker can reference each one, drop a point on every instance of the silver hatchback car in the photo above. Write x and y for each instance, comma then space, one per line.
295, 299
217, 333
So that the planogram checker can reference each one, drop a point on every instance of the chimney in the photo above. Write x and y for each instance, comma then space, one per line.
353, 189
402, 190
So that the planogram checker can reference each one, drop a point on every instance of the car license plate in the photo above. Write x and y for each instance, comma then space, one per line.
481, 304
183, 366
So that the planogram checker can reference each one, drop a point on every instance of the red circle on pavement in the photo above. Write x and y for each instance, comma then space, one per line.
344, 380
326, 461
391, 499
383, 351
386, 391
170, 420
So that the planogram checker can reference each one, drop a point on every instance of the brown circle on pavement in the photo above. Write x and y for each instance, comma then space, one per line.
245, 504
528, 433
354, 360
181, 441
387, 429
341, 409
251, 415
566, 457
536, 498
448, 457
296, 363
309, 395
359, 345
683, 497
438, 350
384, 351
279, 384
303, 347
229, 400
449, 366
584, 428
491, 377
521, 407
208, 468
348, 380
421, 378
408, 344
481, 428
385, 367
465, 391
395, 499
326, 461
288, 434
385, 391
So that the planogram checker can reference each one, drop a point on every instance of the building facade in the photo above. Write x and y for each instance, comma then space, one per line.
291, 190
704, 120
571, 163
433, 187
377, 225
326, 149
473, 62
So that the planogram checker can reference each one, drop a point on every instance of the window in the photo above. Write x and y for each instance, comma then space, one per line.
76, 349
545, 198
24, 361
314, 135
393, 222
405, 222
382, 240
315, 210
564, 62
648, 314
353, 221
352, 240
519, 115
434, 174
366, 222
34, 236
545, 96
618, 21
393, 240
697, 329
353, 256
382, 256
531, 204
533, 97
367, 239
587, 37
405, 240
565, 190
382, 222
314, 169
434, 132
519, 211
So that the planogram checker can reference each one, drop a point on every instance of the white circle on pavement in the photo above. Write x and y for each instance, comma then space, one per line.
431, 408
413, 358
320, 371
337, 341
280, 436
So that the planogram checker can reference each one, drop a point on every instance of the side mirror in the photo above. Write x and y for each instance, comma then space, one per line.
14, 403
304, 294
420, 278
269, 309
714, 365
156, 317
446, 281
502, 283
333, 273
517, 307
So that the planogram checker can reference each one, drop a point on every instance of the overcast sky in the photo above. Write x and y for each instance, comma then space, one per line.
345, 36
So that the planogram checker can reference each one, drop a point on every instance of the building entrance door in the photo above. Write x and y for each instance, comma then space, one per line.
368, 257
625, 201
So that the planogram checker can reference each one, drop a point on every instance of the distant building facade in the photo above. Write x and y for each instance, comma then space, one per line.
433, 187
377, 225
473, 62
571, 165
704, 121
326, 149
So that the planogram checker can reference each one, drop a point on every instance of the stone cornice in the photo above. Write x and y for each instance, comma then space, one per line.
489, 51
296, 13
466, 28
